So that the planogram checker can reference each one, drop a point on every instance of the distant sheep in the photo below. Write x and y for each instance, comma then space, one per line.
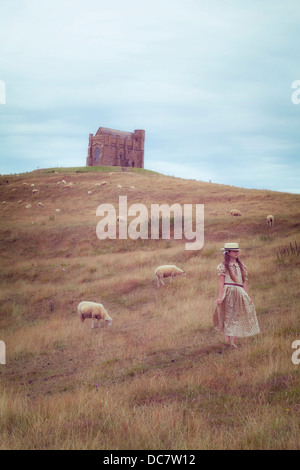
34, 191
235, 213
28, 206
168, 270
94, 311
270, 220
132, 187
41, 204
90, 193
20, 202
119, 186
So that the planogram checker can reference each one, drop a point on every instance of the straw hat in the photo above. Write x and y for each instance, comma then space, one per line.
230, 246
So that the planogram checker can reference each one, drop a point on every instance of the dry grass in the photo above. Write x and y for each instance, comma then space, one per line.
160, 377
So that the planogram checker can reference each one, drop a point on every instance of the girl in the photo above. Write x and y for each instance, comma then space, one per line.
235, 312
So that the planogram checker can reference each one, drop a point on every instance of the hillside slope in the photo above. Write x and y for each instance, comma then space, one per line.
160, 371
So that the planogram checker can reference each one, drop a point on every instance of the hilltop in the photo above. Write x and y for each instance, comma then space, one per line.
161, 371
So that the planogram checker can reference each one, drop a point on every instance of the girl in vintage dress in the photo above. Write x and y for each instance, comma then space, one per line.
235, 312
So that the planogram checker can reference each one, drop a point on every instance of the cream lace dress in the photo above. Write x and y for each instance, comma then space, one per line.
235, 315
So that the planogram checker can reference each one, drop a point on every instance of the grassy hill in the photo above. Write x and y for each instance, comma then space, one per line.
160, 377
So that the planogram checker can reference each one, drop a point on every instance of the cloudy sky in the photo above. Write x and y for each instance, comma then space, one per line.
209, 81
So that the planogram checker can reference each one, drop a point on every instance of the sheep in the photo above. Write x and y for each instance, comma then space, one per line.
34, 191
94, 311
41, 204
235, 213
27, 206
119, 186
20, 202
132, 187
167, 271
270, 220
90, 193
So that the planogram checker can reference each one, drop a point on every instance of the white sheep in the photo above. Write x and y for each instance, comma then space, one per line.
94, 311
235, 213
28, 206
119, 186
41, 204
270, 220
168, 270
90, 193
20, 202
34, 191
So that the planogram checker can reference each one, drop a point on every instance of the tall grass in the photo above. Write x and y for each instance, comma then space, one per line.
160, 377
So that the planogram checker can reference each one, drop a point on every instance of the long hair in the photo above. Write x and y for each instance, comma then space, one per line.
229, 270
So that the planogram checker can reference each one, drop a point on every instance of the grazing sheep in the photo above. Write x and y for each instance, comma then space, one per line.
270, 220
20, 202
27, 206
57, 210
90, 193
94, 311
41, 204
119, 186
235, 213
34, 191
168, 270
